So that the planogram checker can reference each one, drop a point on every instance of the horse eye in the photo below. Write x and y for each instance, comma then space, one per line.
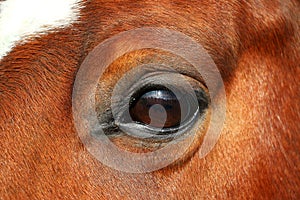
157, 108
161, 108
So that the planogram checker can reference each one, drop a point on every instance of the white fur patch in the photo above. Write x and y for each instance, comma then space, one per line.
22, 19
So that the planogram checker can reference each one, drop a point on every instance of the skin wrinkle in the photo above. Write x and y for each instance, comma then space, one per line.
257, 155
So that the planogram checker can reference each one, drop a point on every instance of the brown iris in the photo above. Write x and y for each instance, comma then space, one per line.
157, 108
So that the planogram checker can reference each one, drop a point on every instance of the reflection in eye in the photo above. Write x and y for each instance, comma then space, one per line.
158, 108
165, 111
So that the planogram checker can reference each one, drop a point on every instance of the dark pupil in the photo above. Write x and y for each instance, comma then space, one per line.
158, 108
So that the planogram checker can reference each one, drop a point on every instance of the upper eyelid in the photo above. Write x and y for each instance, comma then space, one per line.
123, 99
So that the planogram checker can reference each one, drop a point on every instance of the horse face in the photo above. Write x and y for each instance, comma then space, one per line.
255, 46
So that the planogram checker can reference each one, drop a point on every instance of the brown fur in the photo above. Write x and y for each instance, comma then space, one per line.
255, 44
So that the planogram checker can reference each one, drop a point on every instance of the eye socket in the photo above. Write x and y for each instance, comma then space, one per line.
103, 88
